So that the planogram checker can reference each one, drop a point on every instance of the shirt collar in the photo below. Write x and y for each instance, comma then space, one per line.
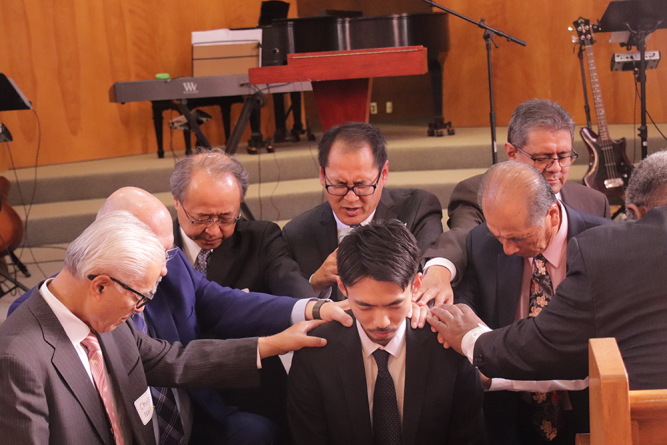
191, 248
554, 253
394, 347
341, 225
75, 329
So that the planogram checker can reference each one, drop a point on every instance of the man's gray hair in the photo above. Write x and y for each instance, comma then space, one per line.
648, 183
537, 113
216, 163
519, 180
117, 244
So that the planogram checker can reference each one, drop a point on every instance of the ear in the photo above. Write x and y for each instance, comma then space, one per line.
321, 176
511, 151
417, 282
98, 285
385, 173
554, 215
176, 204
639, 211
342, 288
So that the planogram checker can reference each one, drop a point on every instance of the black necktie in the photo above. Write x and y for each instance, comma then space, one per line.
168, 418
386, 420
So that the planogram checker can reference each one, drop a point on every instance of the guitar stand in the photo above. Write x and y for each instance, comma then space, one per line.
8, 277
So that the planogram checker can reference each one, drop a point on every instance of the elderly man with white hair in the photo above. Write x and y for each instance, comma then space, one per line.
74, 369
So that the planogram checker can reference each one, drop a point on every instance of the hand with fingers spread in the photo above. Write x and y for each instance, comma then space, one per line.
452, 322
332, 311
436, 286
291, 339
417, 315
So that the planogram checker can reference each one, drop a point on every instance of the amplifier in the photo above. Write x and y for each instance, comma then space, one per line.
630, 61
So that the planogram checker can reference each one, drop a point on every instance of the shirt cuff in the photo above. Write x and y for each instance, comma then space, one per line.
299, 310
444, 262
538, 386
470, 338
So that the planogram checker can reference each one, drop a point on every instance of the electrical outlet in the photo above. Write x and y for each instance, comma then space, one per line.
390, 107
374, 108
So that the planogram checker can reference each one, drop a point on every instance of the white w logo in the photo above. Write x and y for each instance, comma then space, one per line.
190, 87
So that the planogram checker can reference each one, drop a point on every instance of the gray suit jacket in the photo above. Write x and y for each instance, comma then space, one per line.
312, 236
48, 398
464, 215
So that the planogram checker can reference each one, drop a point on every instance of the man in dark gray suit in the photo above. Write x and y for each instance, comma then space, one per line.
615, 287
74, 369
540, 134
381, 381
353, 171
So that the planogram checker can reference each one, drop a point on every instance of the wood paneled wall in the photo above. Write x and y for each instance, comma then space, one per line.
65, 55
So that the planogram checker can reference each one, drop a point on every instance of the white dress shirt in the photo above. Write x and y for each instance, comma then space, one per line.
396, 364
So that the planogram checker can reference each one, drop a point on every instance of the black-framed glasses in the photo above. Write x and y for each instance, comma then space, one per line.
342, 190
544, 163
145, 298
222, 220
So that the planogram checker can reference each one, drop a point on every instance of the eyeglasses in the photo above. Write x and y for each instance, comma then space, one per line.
222, 219
145, 298
545, 162
342, 190
169, 254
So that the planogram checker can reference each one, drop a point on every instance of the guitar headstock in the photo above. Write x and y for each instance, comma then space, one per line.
584, 31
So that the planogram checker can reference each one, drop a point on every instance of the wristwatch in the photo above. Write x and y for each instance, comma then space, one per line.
316, 308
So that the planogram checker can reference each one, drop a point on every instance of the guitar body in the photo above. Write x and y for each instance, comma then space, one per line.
609, 168
11, 227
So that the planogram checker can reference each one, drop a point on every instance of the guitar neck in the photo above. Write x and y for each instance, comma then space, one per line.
603, 128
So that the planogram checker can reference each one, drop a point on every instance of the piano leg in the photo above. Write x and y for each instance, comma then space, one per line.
436, 127
158, 107
280, 134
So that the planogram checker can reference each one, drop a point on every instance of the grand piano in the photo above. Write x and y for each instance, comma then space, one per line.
285, 37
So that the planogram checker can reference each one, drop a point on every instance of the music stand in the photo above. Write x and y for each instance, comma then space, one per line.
640, 18
11, 98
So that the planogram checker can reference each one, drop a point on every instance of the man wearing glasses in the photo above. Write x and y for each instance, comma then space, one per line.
208, 189
353, 171
540, 134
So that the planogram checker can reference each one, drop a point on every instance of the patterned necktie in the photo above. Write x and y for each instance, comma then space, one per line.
168, 418
386, 420
92, 347
202, 260
548, 416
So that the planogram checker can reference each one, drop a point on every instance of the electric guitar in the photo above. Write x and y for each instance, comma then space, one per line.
609, 168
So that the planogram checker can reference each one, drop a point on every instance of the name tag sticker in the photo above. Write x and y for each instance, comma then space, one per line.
144, 405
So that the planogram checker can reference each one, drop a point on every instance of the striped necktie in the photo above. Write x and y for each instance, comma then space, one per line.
94, 351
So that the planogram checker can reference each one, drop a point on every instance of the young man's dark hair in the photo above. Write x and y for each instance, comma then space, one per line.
384, 251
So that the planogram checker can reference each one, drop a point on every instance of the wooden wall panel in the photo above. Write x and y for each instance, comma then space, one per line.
65, 55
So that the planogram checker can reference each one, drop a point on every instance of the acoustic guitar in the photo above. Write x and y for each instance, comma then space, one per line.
11, 227
609, 168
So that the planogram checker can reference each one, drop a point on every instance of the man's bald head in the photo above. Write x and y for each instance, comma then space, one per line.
520, 207
144, 206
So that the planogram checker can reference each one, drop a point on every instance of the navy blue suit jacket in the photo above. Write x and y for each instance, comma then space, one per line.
187, 306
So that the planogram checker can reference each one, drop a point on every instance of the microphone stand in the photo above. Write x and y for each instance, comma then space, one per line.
489, 32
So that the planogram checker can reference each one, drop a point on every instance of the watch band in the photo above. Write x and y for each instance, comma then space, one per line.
318, 305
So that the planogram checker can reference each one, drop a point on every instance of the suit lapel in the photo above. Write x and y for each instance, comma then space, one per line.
386, 208
510, 273
575, 223
353, 377
224, 260
178, 240
327, 241
417, 360
66, 360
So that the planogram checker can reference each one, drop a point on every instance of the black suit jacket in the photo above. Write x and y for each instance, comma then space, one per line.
492, 287
47, 396
312, 236
616, 286
255, 258
465, 214
328, 399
